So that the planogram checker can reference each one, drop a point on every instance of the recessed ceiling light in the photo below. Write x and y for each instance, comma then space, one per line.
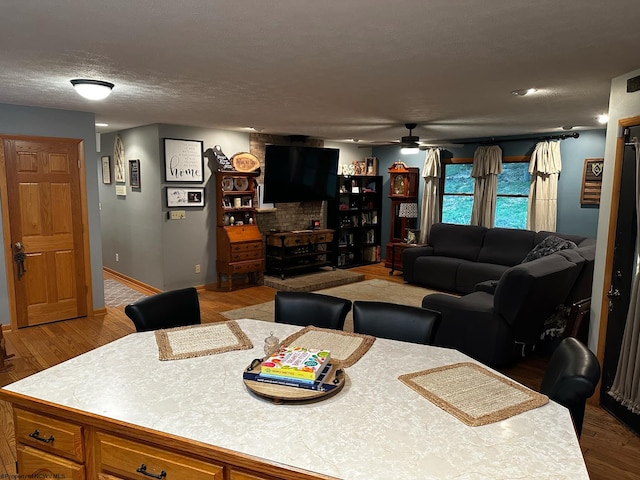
100, 124
567, 127
603, 118
92, 89
524, 91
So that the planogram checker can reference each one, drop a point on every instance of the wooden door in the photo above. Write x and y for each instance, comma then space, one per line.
45, 217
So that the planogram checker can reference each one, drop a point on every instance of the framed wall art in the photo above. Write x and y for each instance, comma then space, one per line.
591, 181
134, 173
183, 160
106, 169
118, 157
185, 197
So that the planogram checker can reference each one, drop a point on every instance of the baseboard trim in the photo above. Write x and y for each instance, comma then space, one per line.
130, 282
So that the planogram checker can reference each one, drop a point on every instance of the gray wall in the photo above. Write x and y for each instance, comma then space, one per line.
22, 120
157, 251
572, 217
151, 248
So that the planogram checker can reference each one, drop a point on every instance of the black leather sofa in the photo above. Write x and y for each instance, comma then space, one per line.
505, 300
459, 257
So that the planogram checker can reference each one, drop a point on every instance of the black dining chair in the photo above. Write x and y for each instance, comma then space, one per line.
305, 308
397, 322
571, 377
174, 308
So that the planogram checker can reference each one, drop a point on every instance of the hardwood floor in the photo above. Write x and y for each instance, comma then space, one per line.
610, 450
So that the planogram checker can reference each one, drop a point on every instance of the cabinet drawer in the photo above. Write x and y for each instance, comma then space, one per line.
34, 463
129, 459
236, 475
246, 267
246, 247
324, 237
298, 240
243, 256
49, 435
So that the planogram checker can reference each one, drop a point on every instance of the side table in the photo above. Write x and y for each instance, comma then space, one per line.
395, 247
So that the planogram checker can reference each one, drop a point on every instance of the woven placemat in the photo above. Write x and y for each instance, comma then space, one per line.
198, 340
345, 347
473, 394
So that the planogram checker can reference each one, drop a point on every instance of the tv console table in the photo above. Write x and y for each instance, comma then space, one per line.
298, 251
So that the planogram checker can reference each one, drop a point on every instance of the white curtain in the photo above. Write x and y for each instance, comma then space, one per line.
626, 384
487, 165
544, 167
430, 194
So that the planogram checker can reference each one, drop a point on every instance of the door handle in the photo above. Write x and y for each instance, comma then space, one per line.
19, 256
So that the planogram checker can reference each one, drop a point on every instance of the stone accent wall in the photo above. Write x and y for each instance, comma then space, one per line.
288, 216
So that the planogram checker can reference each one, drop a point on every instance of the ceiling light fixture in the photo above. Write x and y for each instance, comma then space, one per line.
100, 124
409, 150
603, 118
92, 89
524, 91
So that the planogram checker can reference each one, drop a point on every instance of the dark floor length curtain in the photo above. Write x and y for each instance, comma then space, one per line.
626, 384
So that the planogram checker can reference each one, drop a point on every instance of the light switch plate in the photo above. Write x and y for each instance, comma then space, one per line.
178, 214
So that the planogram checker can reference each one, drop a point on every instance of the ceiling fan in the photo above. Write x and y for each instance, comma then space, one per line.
409, 143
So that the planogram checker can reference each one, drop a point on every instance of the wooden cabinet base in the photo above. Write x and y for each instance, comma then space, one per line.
117, 451
34, 463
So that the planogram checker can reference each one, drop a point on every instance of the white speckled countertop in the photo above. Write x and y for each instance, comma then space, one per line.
376, 427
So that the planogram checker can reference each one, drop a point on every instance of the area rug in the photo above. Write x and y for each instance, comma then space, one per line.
346, 348
473, 394
371, 290
198, 340
116, 294
323, 278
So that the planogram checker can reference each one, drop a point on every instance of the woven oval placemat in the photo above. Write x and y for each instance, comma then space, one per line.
198, 340
345, 347
473, 394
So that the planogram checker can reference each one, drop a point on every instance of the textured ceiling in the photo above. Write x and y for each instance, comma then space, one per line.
329, 69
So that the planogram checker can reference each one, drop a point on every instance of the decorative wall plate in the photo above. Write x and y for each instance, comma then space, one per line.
241, 183
245, 162
227, 183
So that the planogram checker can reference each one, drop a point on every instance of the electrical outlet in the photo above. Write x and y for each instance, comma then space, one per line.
197, 268
117, 258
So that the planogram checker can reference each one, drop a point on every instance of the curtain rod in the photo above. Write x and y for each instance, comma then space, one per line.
561, 136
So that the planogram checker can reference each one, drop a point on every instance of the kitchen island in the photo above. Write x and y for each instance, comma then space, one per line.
118, 412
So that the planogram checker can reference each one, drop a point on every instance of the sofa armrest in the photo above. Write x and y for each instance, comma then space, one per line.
470, 325
409, 257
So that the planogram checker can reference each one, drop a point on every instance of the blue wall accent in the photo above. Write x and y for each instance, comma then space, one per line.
573, 217
46, 122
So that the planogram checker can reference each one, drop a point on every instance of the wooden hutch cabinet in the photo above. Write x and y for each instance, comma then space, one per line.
239, 242
403, 193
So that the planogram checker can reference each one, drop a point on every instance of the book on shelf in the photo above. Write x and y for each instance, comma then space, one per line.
300, 363
319, 385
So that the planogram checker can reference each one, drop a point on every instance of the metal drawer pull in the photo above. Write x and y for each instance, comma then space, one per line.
143, 470
36, 435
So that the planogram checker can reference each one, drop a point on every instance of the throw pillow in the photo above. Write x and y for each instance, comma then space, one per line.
549, 245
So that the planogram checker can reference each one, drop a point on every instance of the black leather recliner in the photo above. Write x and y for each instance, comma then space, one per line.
571, 377
397, 322
492, 327
305, 308
175, 308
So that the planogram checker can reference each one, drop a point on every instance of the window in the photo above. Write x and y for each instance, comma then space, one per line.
511, 202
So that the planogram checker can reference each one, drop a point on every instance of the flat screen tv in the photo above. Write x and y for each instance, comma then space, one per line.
299, 174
